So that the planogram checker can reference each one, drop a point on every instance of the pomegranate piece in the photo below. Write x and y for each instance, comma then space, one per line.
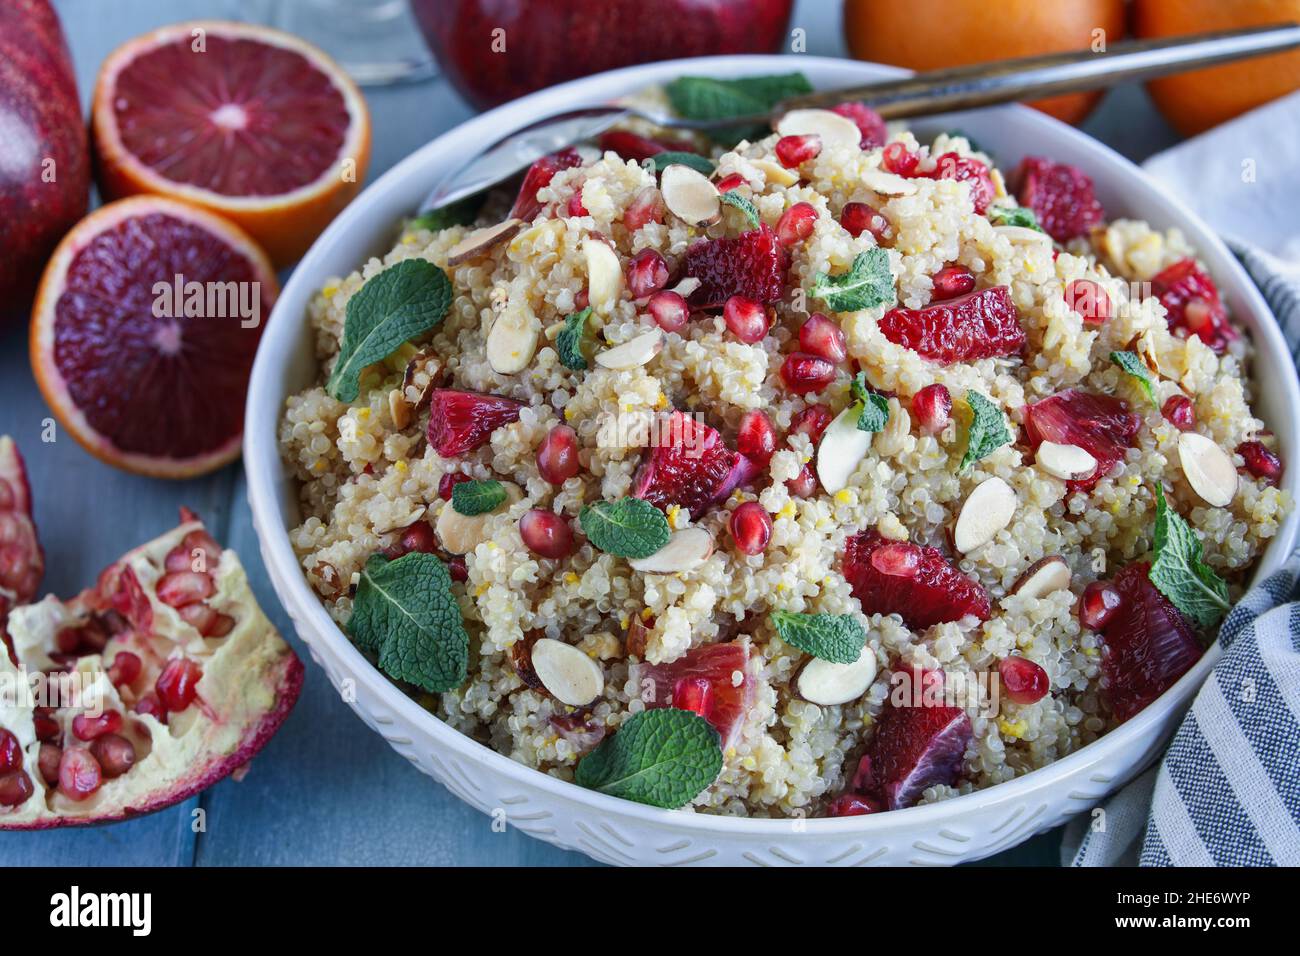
557, 456
1023, 681
47, 762
869, 123
932, 408
631, 146
448, 482
752, 265
11, 752
918, 744
539, 175
802, 373
15, 789
804, 484
1061, 197
689, 466
796, 224
964, 169
460, 422
793, 151
1192, 304
546, 534
694, 694
416, 537
951, 282
150, 704
812, 421
899, 559
822, 337
88, 728
575, 206
756, 438
1090, 300
79, 774
647, 273
114, 753
176, 685
751, 528
1098, 604
899, 160
715, 665
646, 206
1100, 424
582, 733
979, 325
727, 183
860, 217
852, 805
1147, 644
936, 593
1260, 461
457, 569
746, 319
185, 587
1179, 411
669, 310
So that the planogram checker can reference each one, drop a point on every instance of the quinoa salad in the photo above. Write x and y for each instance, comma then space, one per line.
678, 468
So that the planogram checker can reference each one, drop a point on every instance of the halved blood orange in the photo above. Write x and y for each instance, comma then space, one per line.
144, 331
245, 121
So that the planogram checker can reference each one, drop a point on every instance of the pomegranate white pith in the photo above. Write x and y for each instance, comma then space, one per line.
187, 709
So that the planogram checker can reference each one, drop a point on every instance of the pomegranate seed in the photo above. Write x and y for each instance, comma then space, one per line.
576, 208
932, 408
220, 627
11, 753
457, 568
821, 337
88, 728
546, 533
727, 183
756, 439
418, 537
900, 559
794, 151
796, 224
1098, 605
952, 281
581, 300
116, 754
646, 206
1023, 681
151, 705
746, 319
200, 541
1260, 462
751, 528
803, 373
899, 160
804, 484
180, 588
647, 273
79, 774
199, 616
694, 694
669, 310
557, 455
177, 683
1180, 412
15, 789
68, 640
449, 481
1089, 299
859, 217
48, 763
812, 421
851, 805
125, 669
178, 559
47, 728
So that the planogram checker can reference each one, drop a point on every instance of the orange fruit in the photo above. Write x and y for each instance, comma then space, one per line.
247, 122
933, 34
1193, 102
143, 334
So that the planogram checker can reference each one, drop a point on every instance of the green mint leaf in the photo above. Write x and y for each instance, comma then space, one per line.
395, 306
629, 527
732, 197
477, 497
1014, 216
571, 342
867, 284
874, 412
404, 611
707, 98
1131, 363
674, 157
988, 429
664, 757
838, 638
460, 213
1178, 571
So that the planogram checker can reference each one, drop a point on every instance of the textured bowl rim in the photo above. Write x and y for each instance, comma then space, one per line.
264, 467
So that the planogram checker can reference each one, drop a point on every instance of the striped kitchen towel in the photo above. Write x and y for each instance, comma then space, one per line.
1227, 792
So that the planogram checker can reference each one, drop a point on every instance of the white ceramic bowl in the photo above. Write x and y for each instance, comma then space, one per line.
618, 831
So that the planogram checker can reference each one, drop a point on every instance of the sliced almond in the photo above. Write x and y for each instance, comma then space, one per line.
775, 173
569, 675
512, 342
604, 275
685, 551
1045, 576
1208, 468
835, 130
399, 408
887, 184
461, 534
1022, 234
633, 353
988, 509
689, 195
842, 447
1067, 462
687, 286
480, 242
826, 684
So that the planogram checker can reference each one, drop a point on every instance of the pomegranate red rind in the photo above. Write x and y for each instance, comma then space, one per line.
1061, 197
1192, 304
918, 744
1101, 424
931, 591
979, 325
712, 666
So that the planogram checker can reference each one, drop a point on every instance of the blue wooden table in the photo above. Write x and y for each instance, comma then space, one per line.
325, 791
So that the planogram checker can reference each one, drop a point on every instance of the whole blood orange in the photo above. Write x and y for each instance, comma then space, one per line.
1193, 102
144, 331
933, 34
245, 121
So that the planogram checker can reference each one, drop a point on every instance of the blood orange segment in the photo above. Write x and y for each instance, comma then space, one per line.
705, 679
144, 332
243, 120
